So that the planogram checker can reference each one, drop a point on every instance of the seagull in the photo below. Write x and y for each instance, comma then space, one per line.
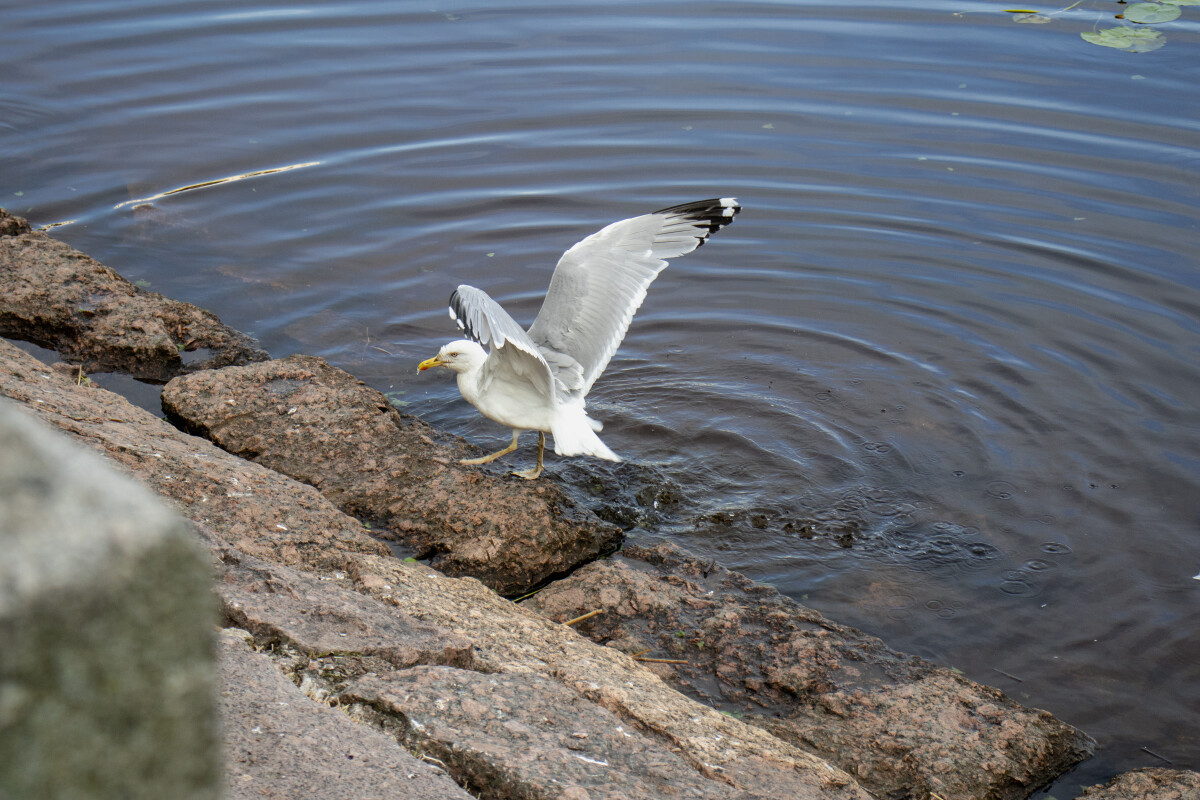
537, 380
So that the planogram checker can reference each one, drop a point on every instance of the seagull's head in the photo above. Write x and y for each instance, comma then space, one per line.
460, 356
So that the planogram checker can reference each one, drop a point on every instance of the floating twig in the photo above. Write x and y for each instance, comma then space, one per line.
1008, 675
217, 182
1156, 755
588, 615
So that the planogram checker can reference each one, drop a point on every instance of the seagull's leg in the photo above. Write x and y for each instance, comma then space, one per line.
490, 458
530, 474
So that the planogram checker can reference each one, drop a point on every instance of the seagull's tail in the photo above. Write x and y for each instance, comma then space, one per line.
575, 435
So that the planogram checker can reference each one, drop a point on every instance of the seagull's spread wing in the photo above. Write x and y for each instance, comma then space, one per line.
513, 356
601, 281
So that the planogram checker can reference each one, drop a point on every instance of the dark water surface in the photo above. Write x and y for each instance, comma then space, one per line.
940, 380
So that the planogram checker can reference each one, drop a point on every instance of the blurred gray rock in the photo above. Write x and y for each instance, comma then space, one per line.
106, 617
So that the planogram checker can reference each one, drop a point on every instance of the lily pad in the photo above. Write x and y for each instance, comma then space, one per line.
1131, 40
1183, 2
1150, 13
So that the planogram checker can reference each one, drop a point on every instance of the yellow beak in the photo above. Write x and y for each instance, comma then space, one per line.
429, 362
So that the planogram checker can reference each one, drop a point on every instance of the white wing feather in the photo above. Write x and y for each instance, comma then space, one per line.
601, 281
512, 354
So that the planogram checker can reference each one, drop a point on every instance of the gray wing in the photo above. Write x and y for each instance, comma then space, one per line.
512, 353
601, 281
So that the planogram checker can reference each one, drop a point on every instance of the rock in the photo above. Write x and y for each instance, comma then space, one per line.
280, 520
1148, 784
508, 639
278, 605
106, 670
524, 736
254, 509
901, 726
279, 744
56, 297
322, 426
12, 226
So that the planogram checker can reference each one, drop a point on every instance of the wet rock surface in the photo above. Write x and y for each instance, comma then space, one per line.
525, 736
279, 744
627, 494
901, 726
56, 297
1148, 784
322, 426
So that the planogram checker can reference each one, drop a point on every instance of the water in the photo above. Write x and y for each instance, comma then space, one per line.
938, 381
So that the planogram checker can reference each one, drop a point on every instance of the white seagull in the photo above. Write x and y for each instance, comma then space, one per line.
538, 379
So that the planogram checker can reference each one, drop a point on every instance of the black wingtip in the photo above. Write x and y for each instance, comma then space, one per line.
725, 208
715, 213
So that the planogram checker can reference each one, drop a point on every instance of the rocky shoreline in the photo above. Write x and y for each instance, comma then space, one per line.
348, 668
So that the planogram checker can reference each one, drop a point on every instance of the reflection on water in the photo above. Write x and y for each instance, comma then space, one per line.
939, 381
